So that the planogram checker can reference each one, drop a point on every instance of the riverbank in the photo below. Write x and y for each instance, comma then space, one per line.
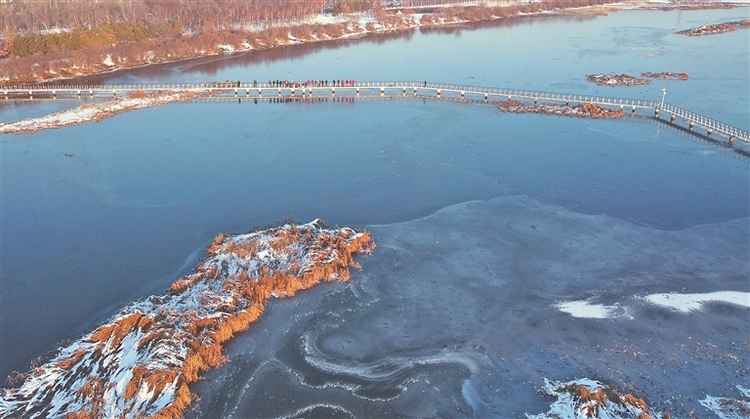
321, 28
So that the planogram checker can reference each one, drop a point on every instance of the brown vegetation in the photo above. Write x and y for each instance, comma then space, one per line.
138, 94
75, 357
210, 333
592, 401
114, 333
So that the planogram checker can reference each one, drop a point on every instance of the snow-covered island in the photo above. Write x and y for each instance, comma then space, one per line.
614, 80
140, 362
666, 75
587, 398
584, 110
716, 29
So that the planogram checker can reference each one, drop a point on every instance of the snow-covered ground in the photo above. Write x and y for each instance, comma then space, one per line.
683, 303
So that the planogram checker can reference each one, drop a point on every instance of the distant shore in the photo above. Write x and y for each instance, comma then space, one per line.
61, 66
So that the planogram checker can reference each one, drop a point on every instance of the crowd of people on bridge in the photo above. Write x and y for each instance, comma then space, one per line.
308, 83
288, 99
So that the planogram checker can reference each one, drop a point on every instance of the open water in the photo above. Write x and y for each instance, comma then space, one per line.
484, 220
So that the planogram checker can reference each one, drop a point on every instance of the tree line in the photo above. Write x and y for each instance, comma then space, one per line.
34, 16
97, 37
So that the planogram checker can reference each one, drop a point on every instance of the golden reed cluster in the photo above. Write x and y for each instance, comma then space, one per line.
591, 402
139, 365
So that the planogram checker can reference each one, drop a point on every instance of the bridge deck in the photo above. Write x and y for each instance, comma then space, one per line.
363, 89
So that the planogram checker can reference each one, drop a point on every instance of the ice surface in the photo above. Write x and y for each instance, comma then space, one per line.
459, 314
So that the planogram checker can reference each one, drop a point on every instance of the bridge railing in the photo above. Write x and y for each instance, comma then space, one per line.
702, 120
463, 89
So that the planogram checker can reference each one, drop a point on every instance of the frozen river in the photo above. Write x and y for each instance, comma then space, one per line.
489, 226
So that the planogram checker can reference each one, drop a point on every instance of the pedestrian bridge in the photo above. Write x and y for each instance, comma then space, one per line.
356, 89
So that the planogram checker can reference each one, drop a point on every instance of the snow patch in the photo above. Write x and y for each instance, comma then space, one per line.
586, 310
729, 408
686, 303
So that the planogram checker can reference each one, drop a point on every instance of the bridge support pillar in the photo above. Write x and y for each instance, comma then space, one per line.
54, 94
622, 107
91, 93
509, 98
247, 92
439, 92
403, 92
632, 111
656, 112
486, 97
382, 91
279, 92
671, 119
692, 124
78, 93
357, 91
731, 139
415, 90
293, 92
6, 93
463, 95
710, 131
535, 101
260, 93
31, 94
333, 92
114, 93
235, 92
